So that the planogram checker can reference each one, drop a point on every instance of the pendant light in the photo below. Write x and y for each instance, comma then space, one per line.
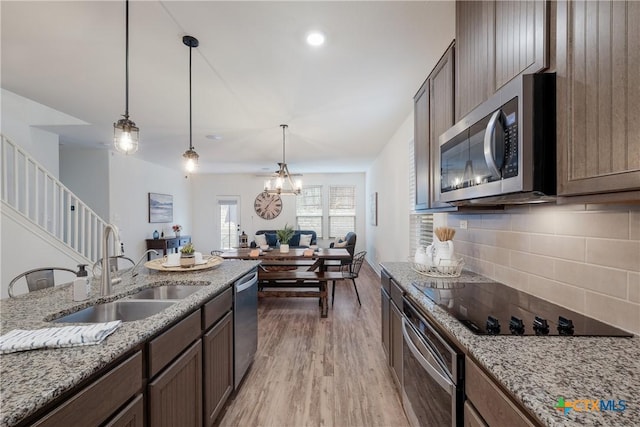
125, 132
191, 157
282, 182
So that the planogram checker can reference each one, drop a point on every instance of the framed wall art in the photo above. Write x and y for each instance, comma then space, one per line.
160, 207
373, 214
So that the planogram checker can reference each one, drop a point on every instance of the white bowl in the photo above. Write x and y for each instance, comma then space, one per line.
264, 247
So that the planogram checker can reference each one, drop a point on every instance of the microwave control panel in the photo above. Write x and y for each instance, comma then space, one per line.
510, 168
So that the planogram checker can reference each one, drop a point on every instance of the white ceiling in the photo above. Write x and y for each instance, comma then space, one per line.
252, 72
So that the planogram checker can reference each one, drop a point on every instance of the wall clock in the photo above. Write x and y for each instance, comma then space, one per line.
268, 206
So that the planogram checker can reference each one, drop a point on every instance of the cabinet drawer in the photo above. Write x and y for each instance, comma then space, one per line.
98, 401
471, 416
396, 293
168, 345
491, 402
131, 416
172, 243
184, 241
216, 308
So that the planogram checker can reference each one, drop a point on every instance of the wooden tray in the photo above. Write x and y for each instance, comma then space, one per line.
210, 262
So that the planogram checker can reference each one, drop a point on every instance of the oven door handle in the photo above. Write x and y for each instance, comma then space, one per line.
433, 371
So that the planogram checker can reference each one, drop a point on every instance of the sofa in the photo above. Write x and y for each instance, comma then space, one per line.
272, 238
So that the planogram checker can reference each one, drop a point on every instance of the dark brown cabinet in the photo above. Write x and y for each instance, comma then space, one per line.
433, 115
386, 325
165, 244
396, 344
392, 325
217, 364
495, 42
175, 395
131, 416
598, 98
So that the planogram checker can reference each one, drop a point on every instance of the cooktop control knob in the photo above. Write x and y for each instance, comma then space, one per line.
493, 326
540, 326
565, 326
516, 326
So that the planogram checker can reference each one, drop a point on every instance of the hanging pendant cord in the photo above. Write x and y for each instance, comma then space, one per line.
126, 63
190, 119
283, 158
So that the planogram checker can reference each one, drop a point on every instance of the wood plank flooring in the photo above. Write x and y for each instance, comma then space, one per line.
310, 371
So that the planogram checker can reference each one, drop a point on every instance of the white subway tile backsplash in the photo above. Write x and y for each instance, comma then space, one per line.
558, 246
604, 280
624, 254
584, 257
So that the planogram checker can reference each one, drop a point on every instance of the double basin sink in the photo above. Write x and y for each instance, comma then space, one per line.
138, 306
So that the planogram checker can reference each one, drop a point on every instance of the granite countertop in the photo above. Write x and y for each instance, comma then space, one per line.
539, 370
30, 380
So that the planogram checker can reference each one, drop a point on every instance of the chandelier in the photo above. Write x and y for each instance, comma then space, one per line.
282, 183
190, 156
125, 132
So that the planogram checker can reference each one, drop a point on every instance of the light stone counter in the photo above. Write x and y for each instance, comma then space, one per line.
30, 380
538, 370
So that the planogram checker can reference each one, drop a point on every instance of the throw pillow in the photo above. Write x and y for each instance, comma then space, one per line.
305, 239
261, 240
295, 240
272, 239
340, 242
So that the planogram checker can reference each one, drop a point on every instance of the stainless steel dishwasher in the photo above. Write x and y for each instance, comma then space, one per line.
245, 317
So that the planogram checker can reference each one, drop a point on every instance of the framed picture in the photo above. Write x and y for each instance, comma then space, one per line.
373, 214
160, 207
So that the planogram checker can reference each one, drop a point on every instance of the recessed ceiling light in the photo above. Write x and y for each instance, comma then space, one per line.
315, 38
214, 137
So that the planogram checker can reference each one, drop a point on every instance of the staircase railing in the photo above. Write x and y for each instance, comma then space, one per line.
32, 191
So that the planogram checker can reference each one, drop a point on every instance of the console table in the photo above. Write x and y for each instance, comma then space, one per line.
165, 243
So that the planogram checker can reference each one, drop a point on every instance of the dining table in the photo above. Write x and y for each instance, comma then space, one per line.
292, 273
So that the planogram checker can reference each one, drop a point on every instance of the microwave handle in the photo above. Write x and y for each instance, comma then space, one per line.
494, 162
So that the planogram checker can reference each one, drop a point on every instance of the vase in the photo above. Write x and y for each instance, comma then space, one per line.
187, 261
284, 248
444, 254
177, 234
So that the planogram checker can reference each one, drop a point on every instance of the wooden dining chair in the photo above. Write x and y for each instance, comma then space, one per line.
38, 278
350, 272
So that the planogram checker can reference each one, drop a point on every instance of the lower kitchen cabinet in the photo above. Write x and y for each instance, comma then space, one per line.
218, 367
471, 416
131, 416
392, 325
396, 344
494, 407
99, 401
385, 313
175, 395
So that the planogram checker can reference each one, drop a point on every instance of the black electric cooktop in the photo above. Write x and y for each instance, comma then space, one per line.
490, 308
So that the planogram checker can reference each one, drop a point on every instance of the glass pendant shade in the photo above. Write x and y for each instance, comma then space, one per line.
191, 160
126, 136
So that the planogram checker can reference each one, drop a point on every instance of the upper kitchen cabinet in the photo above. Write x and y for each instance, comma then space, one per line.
495, 42
598, 80
474, 54
421, 154
441, 117
433, 115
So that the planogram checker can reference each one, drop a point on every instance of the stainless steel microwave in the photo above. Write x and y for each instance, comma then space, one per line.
504, 151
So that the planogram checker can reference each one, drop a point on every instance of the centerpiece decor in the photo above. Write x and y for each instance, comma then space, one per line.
187, 256
284, 236
176, 229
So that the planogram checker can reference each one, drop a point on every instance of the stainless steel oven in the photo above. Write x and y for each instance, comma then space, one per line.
433, 372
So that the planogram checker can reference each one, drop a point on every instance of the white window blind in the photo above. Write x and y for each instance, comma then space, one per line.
342, 210
420, 224
309, 209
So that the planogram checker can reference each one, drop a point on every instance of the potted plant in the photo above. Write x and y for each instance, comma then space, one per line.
187, 256
284, 236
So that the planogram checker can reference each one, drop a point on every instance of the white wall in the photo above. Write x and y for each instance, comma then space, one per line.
206, 188
86, 173
389, 177
131, 179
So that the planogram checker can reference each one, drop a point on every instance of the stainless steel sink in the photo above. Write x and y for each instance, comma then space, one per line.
125, 310
166, 292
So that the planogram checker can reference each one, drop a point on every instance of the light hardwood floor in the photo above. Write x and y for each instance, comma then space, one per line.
310, 371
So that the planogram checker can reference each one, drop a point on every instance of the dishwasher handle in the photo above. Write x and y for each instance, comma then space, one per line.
246, 282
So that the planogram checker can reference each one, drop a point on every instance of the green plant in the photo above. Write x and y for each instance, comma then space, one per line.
188, 249
285, 234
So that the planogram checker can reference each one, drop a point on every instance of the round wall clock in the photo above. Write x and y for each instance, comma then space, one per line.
268, 206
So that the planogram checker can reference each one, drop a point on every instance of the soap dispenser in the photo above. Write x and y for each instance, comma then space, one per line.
81, 284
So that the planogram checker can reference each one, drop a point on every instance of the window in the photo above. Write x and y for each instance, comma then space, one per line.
342, 210
309, 209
